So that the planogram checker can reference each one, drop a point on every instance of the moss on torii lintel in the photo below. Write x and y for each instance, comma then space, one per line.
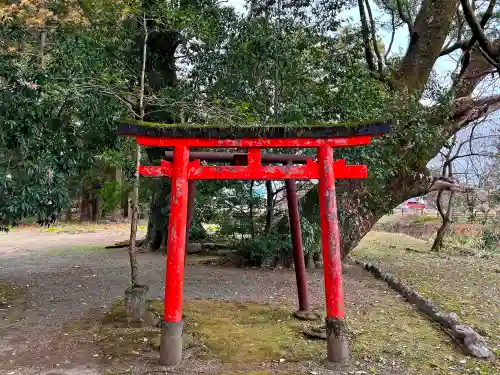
252, 129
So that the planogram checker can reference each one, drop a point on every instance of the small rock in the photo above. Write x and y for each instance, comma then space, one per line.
194, 248
476, 346
282, 360
224, 252
463, 361
460, 331
313, 373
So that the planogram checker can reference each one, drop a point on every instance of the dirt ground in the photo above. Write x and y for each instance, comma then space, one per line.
68, 278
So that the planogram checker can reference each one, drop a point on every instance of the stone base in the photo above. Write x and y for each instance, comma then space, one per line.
306, 315
136, 303
171, 343
337, 348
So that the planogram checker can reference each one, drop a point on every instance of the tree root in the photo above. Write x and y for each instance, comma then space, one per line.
471, 342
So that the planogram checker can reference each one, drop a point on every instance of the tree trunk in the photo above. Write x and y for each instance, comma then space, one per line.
160, 72
125, 205
270, 207
85, 206
471, 213
133, 223
446, 216
158, 217
117, 176
90, 206
67, 216
428, 34
96, 208
443, 229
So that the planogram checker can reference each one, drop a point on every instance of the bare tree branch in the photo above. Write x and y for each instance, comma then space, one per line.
443, 183
393, 22
468, 110
477, 28
474, 65
458, 45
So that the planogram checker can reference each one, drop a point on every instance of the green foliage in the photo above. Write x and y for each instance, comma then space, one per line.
196, 231
311, 236
262, 249
111, 194
55, 118
491, 240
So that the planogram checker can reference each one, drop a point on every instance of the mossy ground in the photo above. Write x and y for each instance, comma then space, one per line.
229, 331
12, 303
10, 294
387, 337
468, 286
243, 333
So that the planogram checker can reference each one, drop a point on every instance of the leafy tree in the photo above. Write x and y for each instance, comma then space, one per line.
284, 61
55, 118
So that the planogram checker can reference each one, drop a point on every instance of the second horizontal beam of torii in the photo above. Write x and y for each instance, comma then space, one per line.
254, 170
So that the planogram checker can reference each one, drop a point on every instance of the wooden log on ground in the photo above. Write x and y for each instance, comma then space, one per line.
122, 244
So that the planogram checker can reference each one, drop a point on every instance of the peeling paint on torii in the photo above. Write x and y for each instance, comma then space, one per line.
181, 170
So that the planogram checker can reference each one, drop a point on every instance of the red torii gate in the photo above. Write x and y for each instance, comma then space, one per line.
181, 170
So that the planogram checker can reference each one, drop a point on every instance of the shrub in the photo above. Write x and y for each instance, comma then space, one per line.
490, 240
261, 250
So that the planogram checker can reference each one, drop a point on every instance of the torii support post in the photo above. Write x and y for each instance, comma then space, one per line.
172, 325
298, 252
337, 348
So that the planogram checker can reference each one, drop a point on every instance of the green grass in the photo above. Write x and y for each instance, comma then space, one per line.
468, 286
77, 249
425, 219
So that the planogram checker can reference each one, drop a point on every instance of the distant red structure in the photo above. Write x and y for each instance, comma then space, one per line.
184, 168
416, 205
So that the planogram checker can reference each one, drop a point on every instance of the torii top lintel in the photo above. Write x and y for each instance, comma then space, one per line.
253, 138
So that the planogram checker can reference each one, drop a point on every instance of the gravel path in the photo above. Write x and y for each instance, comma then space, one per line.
65, 285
